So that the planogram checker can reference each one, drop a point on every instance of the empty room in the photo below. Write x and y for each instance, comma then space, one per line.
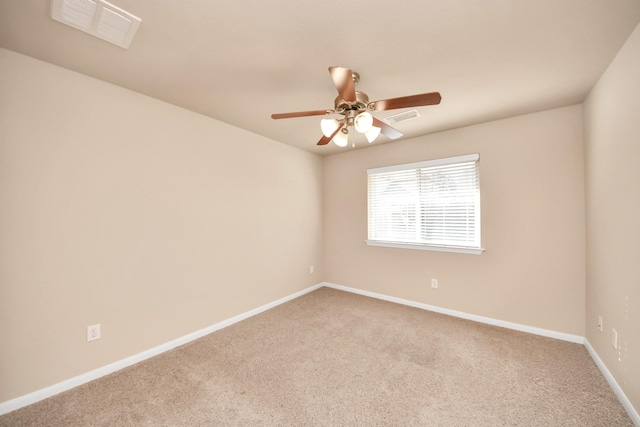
319, 213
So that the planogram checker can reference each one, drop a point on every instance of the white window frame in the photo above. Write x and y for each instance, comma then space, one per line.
411, 177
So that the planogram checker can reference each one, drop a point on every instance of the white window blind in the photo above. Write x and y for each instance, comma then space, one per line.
427, 205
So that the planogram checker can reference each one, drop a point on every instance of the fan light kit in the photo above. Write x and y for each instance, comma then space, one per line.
355, 109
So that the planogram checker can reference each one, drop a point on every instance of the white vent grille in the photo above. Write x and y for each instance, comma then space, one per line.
400, 117
80, 13
98, 18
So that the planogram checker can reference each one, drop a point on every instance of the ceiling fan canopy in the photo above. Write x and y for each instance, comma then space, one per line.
355, 108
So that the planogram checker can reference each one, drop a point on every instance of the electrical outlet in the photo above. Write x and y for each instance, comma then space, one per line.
434, 283
614, 338
600, 323
311, 269
93, 332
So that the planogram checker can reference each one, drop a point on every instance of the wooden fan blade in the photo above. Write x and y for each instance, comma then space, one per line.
432, 98
386, 130
325, 140
302, 114
343, 79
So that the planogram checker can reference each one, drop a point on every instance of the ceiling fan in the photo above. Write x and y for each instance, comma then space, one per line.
354, 106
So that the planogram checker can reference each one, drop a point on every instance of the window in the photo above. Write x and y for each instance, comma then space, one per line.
431, 205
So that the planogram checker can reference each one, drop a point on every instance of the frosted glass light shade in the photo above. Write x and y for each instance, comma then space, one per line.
341, 139
372, 133
363, 122
329, 126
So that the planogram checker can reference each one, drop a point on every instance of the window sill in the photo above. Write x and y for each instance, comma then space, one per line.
424, 247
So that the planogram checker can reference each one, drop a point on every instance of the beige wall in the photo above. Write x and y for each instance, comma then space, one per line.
612, 152
118, 209
532, 190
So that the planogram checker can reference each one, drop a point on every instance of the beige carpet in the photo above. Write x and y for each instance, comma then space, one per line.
331, 358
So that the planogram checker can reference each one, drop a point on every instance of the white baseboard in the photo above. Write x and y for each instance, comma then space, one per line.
633, 414
481, 319
36, 396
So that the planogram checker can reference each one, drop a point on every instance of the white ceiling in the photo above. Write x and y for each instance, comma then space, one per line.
240, 61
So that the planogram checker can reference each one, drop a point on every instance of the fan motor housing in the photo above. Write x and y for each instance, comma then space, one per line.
361, 103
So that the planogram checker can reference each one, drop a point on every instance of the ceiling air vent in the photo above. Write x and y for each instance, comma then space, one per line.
400, 117
98, 18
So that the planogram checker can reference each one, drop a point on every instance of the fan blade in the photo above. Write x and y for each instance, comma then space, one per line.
432, 98
343, 79
325, 140
386, 130
302, 114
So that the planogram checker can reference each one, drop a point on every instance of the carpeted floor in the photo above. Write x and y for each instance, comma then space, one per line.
331, 358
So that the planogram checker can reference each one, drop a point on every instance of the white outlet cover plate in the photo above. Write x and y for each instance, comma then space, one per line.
93, 332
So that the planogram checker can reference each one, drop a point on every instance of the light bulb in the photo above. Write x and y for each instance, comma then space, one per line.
372, 134
341, 139
329, 126
363, 122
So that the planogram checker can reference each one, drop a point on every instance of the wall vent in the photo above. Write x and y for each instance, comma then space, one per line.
98, 18
400, 117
